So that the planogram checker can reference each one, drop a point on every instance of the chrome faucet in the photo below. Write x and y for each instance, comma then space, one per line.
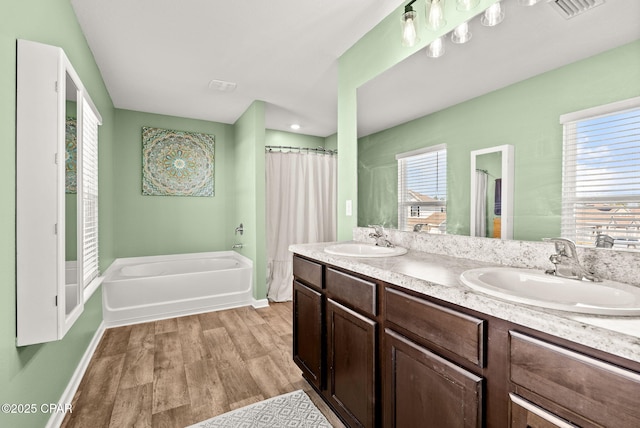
379, 236
240, 229
565, 261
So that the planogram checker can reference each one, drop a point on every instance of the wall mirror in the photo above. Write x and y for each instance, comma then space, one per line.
492, 174
73, 289
52, 107
505, 86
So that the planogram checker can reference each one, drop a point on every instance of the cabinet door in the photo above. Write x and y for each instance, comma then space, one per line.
424, 390
352, 365
307, 332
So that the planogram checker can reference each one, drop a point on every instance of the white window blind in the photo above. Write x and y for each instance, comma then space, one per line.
422, 189
89, 193
601, 175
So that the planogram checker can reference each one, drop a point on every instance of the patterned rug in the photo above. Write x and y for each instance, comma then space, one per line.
295, 410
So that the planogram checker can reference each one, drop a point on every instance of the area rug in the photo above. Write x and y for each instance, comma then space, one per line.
295, 410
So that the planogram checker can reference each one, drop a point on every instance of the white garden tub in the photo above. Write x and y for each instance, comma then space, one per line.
140, 289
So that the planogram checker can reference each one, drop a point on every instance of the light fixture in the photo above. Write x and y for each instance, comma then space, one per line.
528, 2
493, 15
436, 48
467, 5
409, 34
294, 126
461, 33
435, 14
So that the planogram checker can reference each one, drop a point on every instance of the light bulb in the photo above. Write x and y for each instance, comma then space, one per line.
493, 15
461, 33
467, 5
409, 35
528, 2
436, 48
435, 18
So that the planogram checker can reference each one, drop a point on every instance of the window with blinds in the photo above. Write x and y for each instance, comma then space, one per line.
89, 193
422, 189
601, 175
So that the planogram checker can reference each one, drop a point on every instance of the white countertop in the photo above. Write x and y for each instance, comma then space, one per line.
438, 275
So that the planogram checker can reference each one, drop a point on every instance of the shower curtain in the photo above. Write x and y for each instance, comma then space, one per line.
300, 208
481, 203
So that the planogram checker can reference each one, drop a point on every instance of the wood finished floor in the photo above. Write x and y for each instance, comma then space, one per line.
179, 371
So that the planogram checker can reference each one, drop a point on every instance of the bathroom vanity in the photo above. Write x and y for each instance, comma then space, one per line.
399, 342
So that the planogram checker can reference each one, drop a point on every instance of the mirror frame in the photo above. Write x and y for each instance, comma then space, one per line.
508, 174
41, 85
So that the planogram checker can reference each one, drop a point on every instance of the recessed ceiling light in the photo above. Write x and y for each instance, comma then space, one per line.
222, 85
295, 126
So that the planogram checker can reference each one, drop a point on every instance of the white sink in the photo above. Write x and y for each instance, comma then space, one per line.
364, 250
539, 289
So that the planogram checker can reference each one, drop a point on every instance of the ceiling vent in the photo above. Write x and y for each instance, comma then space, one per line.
571, 8
222, 85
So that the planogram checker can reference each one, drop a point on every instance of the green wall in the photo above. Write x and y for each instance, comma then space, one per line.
525, 115
39, 373
249, 202
292, 139
154, 225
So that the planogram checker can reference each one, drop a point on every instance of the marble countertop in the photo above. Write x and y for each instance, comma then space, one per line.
437, 276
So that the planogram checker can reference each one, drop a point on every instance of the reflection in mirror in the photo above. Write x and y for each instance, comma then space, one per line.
73, 292
492, 172
505, 86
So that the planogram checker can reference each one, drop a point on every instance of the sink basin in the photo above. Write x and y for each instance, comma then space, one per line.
364, 250
539, 289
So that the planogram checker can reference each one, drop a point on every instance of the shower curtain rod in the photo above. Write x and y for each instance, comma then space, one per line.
299, 149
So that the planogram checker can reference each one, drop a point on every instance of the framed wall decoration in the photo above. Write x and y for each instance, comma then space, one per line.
71, 155
177, 163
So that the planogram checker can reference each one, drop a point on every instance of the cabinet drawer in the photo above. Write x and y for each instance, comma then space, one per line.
599, 391
308, 271
354, 292
453, 331
526, 415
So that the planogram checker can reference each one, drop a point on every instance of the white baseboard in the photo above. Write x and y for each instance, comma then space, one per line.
262, 303
67, 396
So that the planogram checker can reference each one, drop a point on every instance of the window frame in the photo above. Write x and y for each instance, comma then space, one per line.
570, 201
405, 207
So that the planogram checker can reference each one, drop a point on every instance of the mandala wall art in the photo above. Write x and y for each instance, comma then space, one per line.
177, 163
71, 155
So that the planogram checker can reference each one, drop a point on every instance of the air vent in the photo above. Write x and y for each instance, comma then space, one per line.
222, 85
571, 8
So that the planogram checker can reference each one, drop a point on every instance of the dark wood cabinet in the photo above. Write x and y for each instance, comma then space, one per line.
308, 346
576, 387
351, 360
384, 356
335, 339
527, 415
424, 390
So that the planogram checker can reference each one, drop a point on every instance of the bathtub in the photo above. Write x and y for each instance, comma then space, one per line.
141, 289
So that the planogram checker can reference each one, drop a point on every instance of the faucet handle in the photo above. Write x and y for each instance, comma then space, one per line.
564, 247
378, 228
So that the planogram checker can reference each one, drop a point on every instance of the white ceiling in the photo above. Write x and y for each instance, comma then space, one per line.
530, 41
159, 56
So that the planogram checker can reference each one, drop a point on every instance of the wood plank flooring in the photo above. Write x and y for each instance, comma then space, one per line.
180, 371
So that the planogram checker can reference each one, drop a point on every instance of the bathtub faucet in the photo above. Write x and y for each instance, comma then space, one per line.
240, 229
237, 246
